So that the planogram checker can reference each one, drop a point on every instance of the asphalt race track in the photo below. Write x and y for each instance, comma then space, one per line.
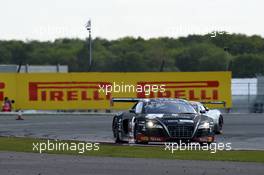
43, 164
243, 131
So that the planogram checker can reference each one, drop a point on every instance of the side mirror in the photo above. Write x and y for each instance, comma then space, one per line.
203, 111
132, 111
206, 108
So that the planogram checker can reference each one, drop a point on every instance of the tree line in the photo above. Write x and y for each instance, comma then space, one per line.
241, 54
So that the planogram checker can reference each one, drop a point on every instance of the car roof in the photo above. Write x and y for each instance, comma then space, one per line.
195, 102
164, 100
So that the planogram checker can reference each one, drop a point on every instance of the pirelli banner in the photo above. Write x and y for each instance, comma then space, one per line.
48, 91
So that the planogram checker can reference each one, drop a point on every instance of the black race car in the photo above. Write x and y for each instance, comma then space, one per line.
161, 120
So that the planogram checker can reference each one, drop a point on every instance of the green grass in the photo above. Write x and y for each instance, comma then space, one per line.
106, 150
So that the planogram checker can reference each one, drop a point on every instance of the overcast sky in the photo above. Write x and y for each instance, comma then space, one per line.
112, 19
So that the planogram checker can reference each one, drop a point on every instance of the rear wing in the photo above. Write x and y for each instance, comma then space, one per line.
133, 100
214, 103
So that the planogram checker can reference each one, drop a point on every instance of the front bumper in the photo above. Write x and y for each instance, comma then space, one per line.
201, 135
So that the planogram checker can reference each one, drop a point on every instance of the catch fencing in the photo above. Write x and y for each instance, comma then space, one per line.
247, 97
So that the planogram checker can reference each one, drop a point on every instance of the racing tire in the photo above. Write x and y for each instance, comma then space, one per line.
117, 139
219, 128
115, 131
135, 133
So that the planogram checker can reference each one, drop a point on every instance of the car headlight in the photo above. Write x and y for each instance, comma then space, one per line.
204, 125
151, 124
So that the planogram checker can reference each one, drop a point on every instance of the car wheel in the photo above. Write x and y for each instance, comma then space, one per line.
114, 123
220, 125
135, 134
117, 138
116, 133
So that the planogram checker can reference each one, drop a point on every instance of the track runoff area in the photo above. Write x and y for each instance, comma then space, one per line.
240, 131
243, 131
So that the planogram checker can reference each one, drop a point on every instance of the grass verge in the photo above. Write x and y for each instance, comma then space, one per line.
106, 150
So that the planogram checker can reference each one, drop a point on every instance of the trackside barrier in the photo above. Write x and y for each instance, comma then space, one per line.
73, 91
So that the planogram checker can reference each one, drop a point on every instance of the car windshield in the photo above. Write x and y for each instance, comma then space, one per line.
168, 108
198, 107
195, 106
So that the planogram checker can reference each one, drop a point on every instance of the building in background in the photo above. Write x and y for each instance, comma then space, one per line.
34, 68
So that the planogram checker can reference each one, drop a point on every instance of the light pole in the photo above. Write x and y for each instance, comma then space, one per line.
88, 27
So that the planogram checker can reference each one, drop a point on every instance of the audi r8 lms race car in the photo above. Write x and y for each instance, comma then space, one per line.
215, 114
161, 120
